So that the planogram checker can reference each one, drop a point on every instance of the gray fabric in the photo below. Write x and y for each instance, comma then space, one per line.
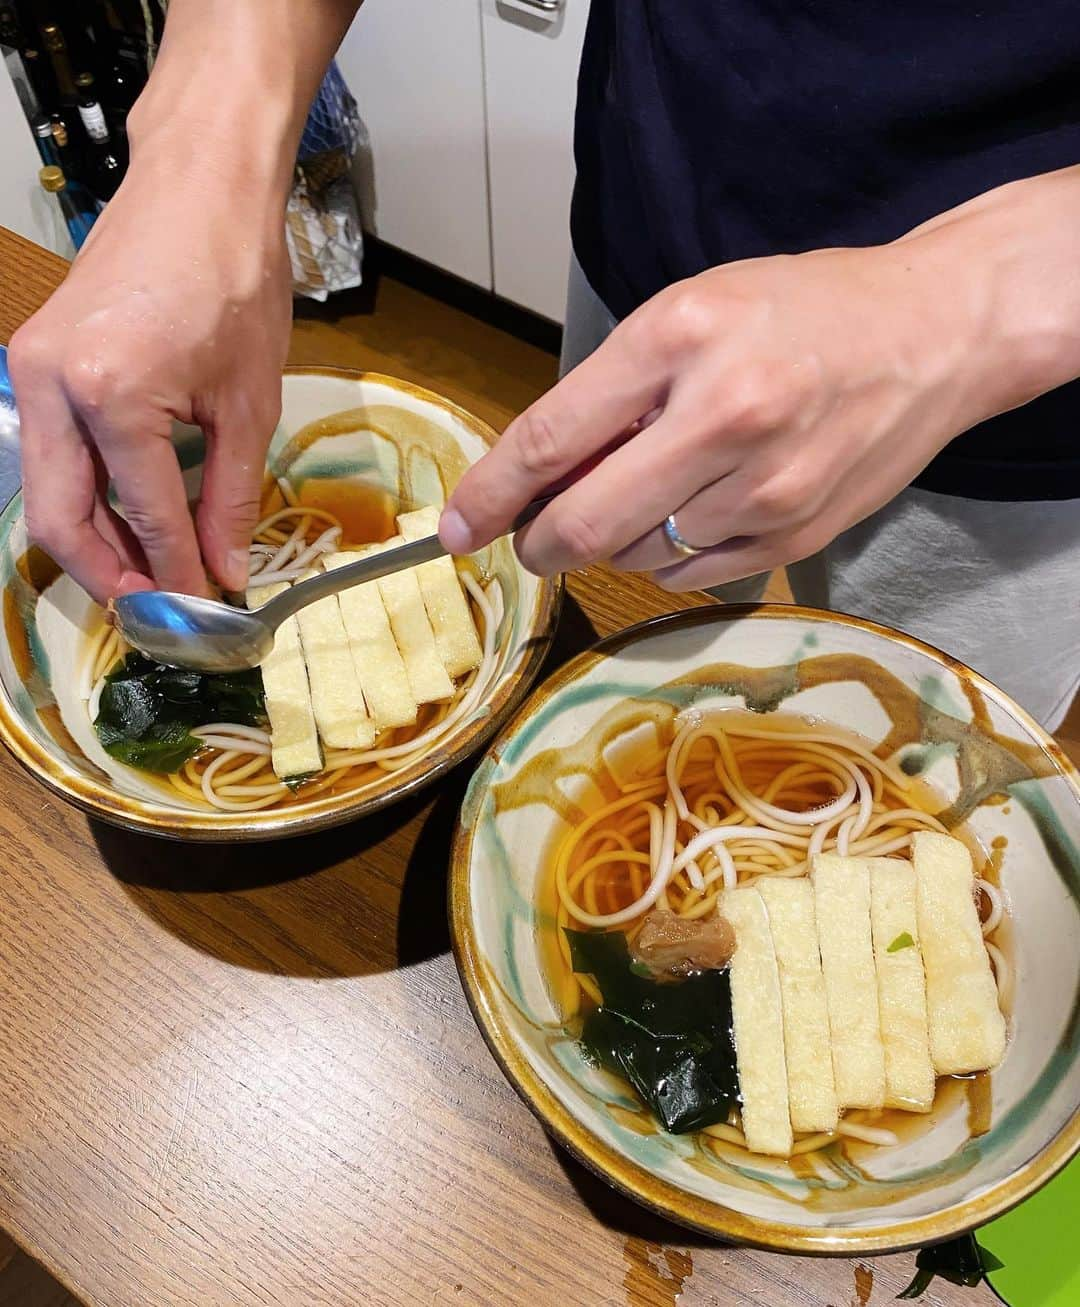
996, 585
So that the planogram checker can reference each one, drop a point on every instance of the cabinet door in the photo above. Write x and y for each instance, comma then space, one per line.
531, 57
416, 69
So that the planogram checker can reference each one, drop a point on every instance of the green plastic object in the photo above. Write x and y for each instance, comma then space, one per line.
1038, 1247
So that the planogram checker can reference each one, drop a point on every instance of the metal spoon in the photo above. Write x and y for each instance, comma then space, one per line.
209, 636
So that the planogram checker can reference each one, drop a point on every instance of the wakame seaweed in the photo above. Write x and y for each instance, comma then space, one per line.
147, 710
960, 1261
671, 1040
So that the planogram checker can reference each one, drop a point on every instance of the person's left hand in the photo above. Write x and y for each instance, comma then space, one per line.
769, 405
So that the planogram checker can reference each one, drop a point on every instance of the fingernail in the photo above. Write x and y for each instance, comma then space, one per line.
237, 563
454, 532
132, 582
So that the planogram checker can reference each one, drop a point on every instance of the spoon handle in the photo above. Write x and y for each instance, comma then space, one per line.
290, 601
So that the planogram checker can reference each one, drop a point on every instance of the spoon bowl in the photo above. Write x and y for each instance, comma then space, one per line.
185, 631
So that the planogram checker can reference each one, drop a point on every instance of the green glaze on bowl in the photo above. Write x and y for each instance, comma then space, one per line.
335, 426
1001, 775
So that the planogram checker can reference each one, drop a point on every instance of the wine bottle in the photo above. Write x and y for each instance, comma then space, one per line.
71, 159
40, 74
53, 40
43, 134
121, 67
78, 217
10, 30
11, 44
105, 165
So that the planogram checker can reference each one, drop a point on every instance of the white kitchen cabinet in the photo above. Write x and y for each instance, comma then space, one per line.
531, 57
416, 69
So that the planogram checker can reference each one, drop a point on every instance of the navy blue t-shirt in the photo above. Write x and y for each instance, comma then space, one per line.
715, 130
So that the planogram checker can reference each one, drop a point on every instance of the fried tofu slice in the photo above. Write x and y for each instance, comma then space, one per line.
336, 695
444, 599
376, 658
415, 639
905, 1033
294, 737
967, 1030
757, 1015
811, 1088
842, 908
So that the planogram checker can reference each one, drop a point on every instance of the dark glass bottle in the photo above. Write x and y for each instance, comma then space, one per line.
56, 47
40, 74
121, 66
12, 43
43, 134
105, 162
77, 215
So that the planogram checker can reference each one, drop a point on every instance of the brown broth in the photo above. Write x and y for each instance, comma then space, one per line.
367, 513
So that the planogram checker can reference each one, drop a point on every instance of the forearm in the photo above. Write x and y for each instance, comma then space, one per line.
231, 88
1010, 262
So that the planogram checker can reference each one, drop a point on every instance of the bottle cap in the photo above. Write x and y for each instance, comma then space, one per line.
84, 79
60, 134
52, 178
53, 37
43, 127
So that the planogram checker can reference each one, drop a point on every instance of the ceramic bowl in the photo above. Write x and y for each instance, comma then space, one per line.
337, 429
992, 763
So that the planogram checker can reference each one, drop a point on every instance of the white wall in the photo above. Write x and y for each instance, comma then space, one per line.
416, 70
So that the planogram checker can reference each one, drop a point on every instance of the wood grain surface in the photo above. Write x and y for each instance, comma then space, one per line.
247, 1075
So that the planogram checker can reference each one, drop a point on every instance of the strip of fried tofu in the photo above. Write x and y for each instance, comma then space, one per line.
294, 738
842, 908
376, 658
336, 696
967, 1030
905, 1034
415, 639
447, 608
811, 1089
757, 1016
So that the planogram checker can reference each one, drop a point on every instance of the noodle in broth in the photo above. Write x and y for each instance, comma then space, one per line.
725, 803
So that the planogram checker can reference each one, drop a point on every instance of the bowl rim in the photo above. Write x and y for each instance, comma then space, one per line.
629, 1177
101, 800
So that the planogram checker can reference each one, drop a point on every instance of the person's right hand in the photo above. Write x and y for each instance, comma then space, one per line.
177, 307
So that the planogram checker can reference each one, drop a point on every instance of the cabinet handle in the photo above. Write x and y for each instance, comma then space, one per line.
546, 6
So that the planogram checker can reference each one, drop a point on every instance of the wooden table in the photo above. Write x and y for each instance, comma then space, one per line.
248, 1076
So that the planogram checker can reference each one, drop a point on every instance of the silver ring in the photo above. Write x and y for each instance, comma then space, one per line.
676, 540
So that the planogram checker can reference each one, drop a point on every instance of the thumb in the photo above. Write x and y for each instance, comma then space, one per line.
231, 493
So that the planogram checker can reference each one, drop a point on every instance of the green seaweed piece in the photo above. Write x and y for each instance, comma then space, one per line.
960, 1261
147, 711
671, 1040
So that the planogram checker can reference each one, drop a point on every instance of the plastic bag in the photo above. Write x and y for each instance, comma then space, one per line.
322, 222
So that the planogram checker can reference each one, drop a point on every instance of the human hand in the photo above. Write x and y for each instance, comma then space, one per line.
177, 307
770, 404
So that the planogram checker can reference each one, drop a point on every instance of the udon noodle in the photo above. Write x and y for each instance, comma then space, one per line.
233, 772
726, 803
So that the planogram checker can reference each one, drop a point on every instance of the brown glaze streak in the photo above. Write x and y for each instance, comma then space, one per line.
411, 435
35, 571
988, 763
